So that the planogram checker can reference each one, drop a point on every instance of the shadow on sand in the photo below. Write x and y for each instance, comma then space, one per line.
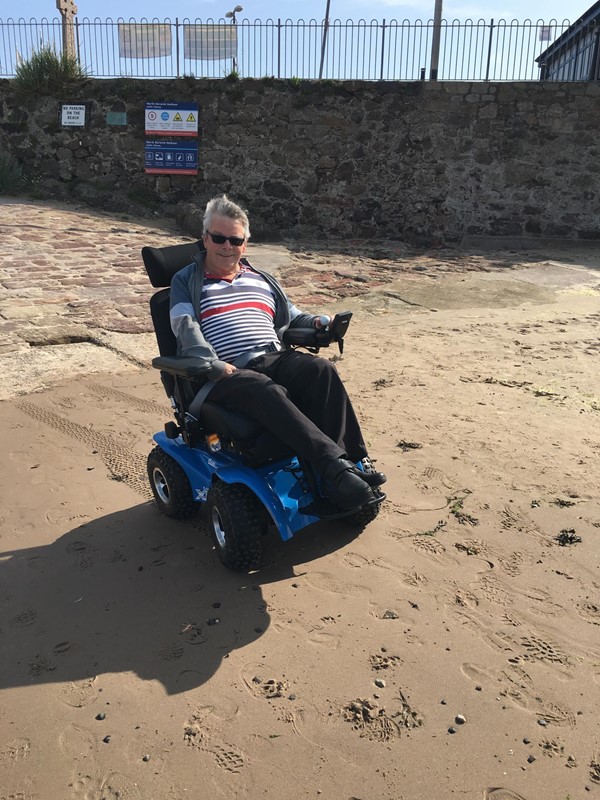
135, 592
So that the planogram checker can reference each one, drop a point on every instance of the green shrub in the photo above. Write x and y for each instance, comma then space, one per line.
47, 72
10, 175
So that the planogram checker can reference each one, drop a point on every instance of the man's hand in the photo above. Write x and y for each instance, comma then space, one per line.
229, 370
322, 321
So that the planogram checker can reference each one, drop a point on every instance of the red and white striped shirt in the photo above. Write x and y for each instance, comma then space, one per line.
237, 315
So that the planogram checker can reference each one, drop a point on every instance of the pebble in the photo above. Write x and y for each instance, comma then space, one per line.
526, 741
451, 730
530, 759
213, 621
146, 758
478, 688
542, 722
380, 683
106, 739
100, 716
389, 614
460, 719
256, 679
291, 697
295, 585
216, 605
442, 702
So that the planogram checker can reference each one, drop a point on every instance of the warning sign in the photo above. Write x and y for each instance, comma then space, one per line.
171, 119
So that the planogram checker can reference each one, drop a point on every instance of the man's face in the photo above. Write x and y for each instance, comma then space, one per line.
222, 259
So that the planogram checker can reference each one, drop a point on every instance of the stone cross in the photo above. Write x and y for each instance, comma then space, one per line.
67, 9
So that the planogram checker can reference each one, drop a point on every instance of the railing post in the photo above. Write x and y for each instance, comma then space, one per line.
177, 45
382, 49
489, 57
77, 41
279, 47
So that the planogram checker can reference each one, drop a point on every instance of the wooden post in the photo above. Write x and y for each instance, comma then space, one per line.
68, 10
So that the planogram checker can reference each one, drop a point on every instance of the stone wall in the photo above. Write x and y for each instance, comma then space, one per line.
423, 162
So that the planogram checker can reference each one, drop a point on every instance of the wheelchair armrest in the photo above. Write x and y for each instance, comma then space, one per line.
180, 365
301, 337
320, 337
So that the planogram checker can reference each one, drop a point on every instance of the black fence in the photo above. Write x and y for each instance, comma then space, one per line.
383, 50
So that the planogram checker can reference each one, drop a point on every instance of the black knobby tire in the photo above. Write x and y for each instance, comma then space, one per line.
236, 520
362, 517
170, 486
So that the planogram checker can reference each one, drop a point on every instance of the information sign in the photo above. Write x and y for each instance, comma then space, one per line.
170, 157
72, 115
172, 119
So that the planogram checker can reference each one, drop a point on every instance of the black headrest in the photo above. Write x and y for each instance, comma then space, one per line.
163, 262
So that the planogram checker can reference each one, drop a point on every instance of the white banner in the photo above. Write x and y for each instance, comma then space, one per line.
209, 42
144, 40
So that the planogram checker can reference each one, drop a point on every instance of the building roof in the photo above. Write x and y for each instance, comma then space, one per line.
588, 17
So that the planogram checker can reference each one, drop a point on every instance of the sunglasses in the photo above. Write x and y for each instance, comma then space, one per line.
235, 241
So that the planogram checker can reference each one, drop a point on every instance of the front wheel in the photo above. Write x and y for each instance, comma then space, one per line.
170, 486
236, 522
362, 517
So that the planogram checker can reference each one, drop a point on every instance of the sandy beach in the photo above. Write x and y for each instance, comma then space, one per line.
451, 650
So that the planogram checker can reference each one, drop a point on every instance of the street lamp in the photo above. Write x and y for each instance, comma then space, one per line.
231, 15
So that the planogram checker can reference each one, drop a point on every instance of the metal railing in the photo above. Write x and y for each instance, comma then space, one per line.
383, 50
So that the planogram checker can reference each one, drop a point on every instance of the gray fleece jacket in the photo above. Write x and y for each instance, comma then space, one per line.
186, 292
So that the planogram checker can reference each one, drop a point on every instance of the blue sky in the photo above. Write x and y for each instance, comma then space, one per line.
292, 9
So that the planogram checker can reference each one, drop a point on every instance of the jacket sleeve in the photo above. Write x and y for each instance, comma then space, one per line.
298, 318
184, 323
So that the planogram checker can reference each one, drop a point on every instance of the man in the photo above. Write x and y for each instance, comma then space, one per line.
232, 317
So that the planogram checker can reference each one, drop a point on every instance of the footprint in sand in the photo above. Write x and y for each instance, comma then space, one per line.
24, 618
433, 549
326, 582
171, 652
111, 787
79, 693
77, 742
259, 681
15, 751
516, 685
228, 757
501, 794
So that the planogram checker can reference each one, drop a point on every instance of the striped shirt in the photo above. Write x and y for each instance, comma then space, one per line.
237, 315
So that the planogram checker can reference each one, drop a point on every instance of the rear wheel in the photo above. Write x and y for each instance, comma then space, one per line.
170, 486
236, 519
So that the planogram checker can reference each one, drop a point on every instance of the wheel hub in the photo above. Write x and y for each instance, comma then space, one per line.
161, 485
217, 524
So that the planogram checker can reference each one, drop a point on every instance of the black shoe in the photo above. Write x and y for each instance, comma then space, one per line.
343, 484
369, 474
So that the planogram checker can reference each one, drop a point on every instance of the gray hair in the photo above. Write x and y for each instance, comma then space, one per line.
222, 206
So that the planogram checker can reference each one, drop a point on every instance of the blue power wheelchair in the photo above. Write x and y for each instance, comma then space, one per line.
246, 477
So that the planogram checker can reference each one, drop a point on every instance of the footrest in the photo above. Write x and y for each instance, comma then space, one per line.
325, 509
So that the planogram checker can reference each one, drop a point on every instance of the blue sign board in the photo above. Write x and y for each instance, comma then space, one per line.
171, 157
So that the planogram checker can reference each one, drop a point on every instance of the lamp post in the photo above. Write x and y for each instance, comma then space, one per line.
435, 43
231, 15
324, 41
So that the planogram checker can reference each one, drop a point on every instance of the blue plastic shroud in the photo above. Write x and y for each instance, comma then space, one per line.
275, 485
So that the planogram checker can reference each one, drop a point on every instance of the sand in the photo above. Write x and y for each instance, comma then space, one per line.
451, 649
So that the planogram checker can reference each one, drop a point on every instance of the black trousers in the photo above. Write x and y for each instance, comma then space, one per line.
301, 399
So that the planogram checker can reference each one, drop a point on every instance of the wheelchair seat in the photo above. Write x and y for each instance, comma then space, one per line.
182, 379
